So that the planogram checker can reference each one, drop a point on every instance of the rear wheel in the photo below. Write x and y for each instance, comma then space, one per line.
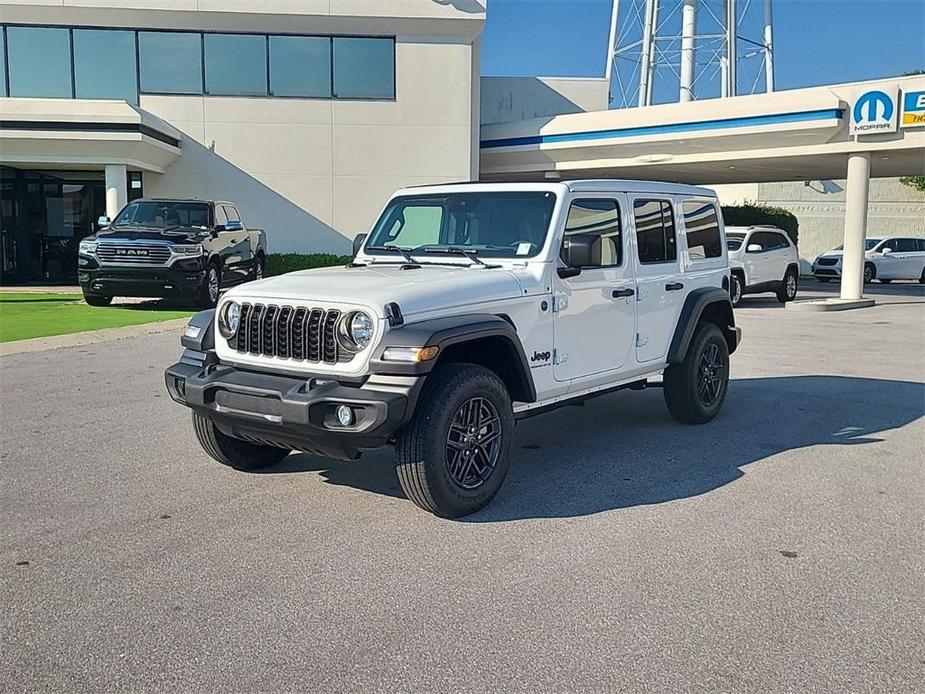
696, 388
735, 290
455, 453
93, 300
233, 452
788, 288
922, 276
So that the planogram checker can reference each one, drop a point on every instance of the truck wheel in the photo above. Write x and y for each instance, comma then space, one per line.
232, 452
788, 288
259, 268
208, 293
455, 453
696, 388
97, 300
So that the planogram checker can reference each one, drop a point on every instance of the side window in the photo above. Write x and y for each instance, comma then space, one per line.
599, 218
220, 217
889, 243
655, 233
921, 244
906, 245
761, 239
777, 241
232, 213
702, 228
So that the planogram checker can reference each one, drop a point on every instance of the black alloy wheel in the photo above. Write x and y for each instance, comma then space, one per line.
710, 375
473, 443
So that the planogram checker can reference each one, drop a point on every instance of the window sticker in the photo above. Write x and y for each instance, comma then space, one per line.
524, 248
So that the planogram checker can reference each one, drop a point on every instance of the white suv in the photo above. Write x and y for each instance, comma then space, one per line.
762, 259
894, 258
466, 308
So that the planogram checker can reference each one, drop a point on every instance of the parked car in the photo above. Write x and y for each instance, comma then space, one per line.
468, 307
893, 258
170, 248
762, 259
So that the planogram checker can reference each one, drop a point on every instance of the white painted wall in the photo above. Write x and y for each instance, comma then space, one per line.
511, 99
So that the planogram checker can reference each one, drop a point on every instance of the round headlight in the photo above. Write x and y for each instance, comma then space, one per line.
358, 329
229, 319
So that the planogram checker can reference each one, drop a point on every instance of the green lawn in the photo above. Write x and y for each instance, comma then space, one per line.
40, 315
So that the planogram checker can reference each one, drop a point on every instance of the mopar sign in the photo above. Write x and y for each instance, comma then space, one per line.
875, 111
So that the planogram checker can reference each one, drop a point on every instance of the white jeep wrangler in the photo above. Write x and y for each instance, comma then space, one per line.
468, 307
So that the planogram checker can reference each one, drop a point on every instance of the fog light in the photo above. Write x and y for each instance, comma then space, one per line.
344, 415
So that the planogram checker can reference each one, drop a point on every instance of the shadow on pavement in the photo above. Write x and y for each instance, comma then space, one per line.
624, 450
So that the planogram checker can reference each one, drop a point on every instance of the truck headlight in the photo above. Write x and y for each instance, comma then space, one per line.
356, 330
229, 318
87, 247
195, 249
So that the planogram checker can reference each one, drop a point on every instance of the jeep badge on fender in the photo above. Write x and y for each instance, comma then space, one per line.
419, 342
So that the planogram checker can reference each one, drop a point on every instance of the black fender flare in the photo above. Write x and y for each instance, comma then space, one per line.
205, 338
455, 330
718, 305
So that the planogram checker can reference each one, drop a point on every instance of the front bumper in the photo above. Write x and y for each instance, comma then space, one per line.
290, 411
819, 270
184, 277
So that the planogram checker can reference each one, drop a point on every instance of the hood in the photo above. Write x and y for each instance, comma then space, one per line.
830, 254
424, 289
140, 233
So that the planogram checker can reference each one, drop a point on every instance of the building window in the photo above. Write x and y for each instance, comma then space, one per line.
655, 233
104, 65
39, 61
135, 186
600, 218
300, 66
171, 63
236, 65
702, 227
364, 68
3, 91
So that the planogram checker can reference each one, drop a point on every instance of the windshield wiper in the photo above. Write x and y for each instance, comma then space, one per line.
469, 253
404, 252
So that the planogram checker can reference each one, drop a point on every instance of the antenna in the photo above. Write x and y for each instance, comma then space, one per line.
696, 49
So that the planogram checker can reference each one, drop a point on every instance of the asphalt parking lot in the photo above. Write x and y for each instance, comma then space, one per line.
779, 548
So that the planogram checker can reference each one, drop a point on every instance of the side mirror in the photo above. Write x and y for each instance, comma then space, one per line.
886, 251
578, 251
754, 248
358, 242
103, 222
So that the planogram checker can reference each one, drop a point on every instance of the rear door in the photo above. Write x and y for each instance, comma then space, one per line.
595, 311
661, 289
907, 253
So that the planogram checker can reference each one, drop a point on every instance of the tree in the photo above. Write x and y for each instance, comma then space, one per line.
917, 182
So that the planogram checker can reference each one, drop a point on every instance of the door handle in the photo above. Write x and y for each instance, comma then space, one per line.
622, 293
673, 286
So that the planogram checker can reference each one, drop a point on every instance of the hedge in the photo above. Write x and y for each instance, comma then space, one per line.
281, 263
754, 213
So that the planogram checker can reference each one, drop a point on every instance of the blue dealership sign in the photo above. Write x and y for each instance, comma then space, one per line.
875, 110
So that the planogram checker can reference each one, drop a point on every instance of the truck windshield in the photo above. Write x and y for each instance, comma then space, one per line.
495, 224
163, 215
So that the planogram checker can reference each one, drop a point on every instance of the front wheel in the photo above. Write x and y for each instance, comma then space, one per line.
735, 290
788, 288
97, 300
259, 268
208, 293
869, 273
696, 388
233, 452
455, 453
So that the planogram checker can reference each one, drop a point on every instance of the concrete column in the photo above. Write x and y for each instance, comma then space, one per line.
116, 189
856, 195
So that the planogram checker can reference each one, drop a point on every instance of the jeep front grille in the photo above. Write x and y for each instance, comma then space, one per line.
133, 254
304, 334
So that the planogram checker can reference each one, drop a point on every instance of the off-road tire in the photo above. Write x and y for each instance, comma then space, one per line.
736, 290
789, 286
205, 298
97, 300
260, 268
422, 447
233, 452
682, 381
870, 273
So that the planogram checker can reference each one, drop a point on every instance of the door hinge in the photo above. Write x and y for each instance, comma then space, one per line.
559, 357
559, 303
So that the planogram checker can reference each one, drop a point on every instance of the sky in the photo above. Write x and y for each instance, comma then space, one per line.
816, 41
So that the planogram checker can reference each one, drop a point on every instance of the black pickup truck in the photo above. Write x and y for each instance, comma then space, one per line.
184, 249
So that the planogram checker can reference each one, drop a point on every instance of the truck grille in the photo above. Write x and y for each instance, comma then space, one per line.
133, 254
827, 261
304, 334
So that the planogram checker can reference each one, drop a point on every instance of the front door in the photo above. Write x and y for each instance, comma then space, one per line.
595, 311
658, 276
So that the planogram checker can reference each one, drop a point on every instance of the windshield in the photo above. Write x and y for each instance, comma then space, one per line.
164, 215
868, 245
496, 224
734, 241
